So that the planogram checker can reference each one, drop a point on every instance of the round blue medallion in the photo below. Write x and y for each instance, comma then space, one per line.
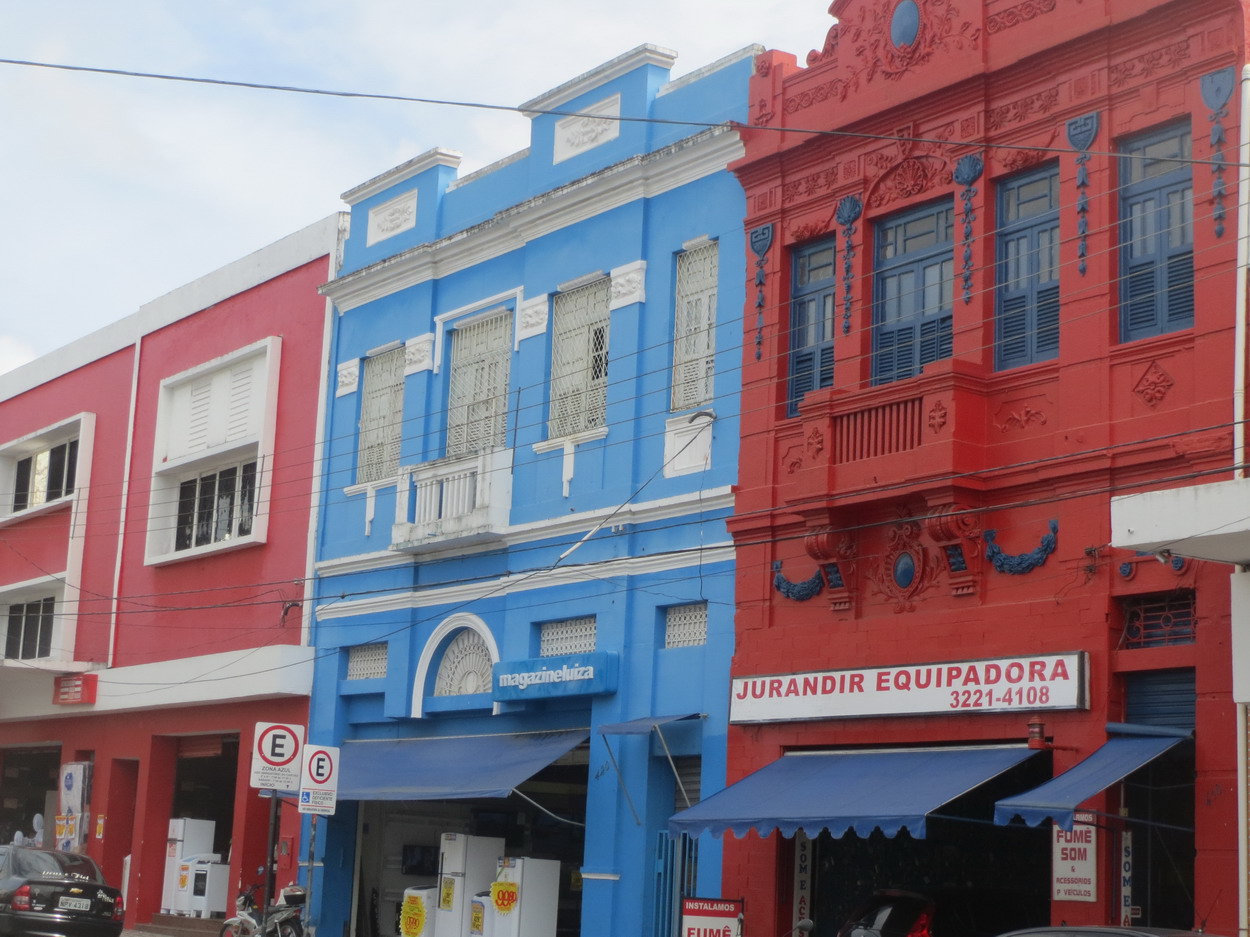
905, 24
904, 570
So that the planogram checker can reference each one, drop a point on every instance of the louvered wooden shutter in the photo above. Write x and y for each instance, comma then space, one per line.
478, 393
694, 344
381, 416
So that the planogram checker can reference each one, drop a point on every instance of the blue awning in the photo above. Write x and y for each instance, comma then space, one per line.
840, 791
453, 768
643, 725
1058, 798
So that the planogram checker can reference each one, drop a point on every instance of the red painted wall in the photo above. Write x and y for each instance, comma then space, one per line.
228, 601
962, 448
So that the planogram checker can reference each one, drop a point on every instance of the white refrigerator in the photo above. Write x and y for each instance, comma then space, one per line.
186, 838
467, 866
536, 898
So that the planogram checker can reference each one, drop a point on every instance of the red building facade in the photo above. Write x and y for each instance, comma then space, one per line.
993, 256
156, 483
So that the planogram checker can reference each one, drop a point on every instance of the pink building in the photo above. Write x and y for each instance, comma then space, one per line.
156, 490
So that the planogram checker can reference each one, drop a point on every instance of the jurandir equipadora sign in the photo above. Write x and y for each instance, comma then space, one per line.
1055, 681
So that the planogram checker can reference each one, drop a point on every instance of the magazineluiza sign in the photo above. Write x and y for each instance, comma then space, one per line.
545, 677
1056, 681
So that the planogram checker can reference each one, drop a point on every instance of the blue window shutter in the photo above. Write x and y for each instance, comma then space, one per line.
1156, 231
1047, 332
811, 321
1013, 331
911, 310
1180, 276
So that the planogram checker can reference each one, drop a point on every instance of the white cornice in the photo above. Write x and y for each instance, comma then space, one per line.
644, 176
418, 164
647, 512
251, 673
645, 54
530, 581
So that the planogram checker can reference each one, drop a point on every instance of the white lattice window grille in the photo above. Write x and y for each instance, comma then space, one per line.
478, 394
570, 636
381, 416
685, 625
465, 667
579, 359
366, 661
694, 336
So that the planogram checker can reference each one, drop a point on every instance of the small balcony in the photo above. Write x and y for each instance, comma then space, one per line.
453, 502
884, 442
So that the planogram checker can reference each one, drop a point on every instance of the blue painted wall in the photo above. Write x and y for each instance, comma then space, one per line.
626, 540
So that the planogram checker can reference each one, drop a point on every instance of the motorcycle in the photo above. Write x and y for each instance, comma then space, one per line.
283, 919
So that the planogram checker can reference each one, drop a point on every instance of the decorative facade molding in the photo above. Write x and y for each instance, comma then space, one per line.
1217, 90
419, 354
1018, 111
760, 239
347, 378
967, 172
798, 591
594, 126
1019, 564
1154, 385
906, 569
1021, 13
1082, 131
532, 317
1165, 60
847, 213
629, 284
391, 218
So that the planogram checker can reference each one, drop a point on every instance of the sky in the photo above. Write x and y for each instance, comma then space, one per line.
118, 190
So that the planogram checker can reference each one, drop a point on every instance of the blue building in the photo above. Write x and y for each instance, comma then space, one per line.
525, 615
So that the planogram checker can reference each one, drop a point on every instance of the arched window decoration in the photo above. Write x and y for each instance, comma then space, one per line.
465, 667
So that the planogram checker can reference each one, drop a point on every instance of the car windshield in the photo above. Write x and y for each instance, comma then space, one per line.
37, 864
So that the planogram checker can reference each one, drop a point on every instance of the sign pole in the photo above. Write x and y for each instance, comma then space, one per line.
270, 849
311, 929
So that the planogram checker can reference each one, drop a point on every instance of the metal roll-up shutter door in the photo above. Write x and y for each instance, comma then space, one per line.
1161, 698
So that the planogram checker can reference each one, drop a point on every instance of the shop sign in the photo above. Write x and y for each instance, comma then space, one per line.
1127, 911
711, 917
1056, 681
73, 689
1074, 861
544, 677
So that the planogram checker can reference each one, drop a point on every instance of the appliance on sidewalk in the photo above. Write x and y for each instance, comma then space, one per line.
481, 917
184, 890
467, 865
210, 886
416, 913
187, 838
525, 898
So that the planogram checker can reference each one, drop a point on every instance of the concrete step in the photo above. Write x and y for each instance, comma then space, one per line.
175, 925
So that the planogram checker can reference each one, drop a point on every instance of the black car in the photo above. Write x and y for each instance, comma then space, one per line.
1064, 930
45, 893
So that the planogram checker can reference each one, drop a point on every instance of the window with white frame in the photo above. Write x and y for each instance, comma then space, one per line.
45, 476
29, 629
477, 401
579, 359
694, 333
216, 506
214, 440
381, 416
569, 636
41, 470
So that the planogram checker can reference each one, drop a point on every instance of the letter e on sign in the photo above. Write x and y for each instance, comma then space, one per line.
319, 780
276, 751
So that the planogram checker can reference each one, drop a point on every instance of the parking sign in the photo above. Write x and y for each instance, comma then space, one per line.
319, 780
276, 751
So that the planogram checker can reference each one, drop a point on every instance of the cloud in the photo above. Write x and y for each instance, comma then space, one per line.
14, 353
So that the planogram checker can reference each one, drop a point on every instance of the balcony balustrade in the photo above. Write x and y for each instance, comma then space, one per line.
453, 502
